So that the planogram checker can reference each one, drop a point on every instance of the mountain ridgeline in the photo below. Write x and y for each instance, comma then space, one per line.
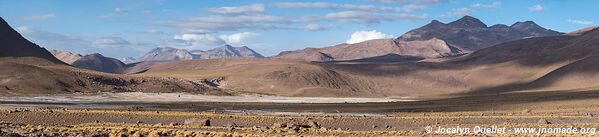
12, 44
94, 61
173, 54
434, 40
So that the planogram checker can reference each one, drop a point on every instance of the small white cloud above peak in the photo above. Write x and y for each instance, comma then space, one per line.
199, 41
110, 42
120, 10
582, 22
493, 5
458, 12
246, 9
41, 16
536, 8
360, 36
315, 27
237, 38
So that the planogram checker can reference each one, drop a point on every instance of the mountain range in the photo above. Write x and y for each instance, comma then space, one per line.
550, 63
101, 63
534, 63
434, 40
173, 54
27, 69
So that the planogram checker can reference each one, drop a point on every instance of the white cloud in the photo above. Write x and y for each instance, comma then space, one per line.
116, 11
314, 27
219, 22
536, 8
583, 22
110, 42
370, 17
246, 9
327, 5
198, 41
410, 1
237, 38
493, 5
153, 31
360, 36
41, 16
458, 12
120, 10
412, 7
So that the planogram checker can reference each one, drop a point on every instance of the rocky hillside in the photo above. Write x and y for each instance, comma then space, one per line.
98, 62
95, 61
433, 40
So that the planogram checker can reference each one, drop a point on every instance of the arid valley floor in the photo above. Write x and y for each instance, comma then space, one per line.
578, 109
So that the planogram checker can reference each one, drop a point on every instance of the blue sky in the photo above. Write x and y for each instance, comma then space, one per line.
122, 28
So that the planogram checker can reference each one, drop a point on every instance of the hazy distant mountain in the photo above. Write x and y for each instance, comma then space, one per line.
173, 54
128, 60
65, 56
433, 40
227, 51
166, 54
12, 44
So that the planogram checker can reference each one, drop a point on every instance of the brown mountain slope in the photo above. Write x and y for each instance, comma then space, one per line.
12, 44
98, 62
18, 79
65, 56
95, 62
432, 48
582, 31
267, 76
